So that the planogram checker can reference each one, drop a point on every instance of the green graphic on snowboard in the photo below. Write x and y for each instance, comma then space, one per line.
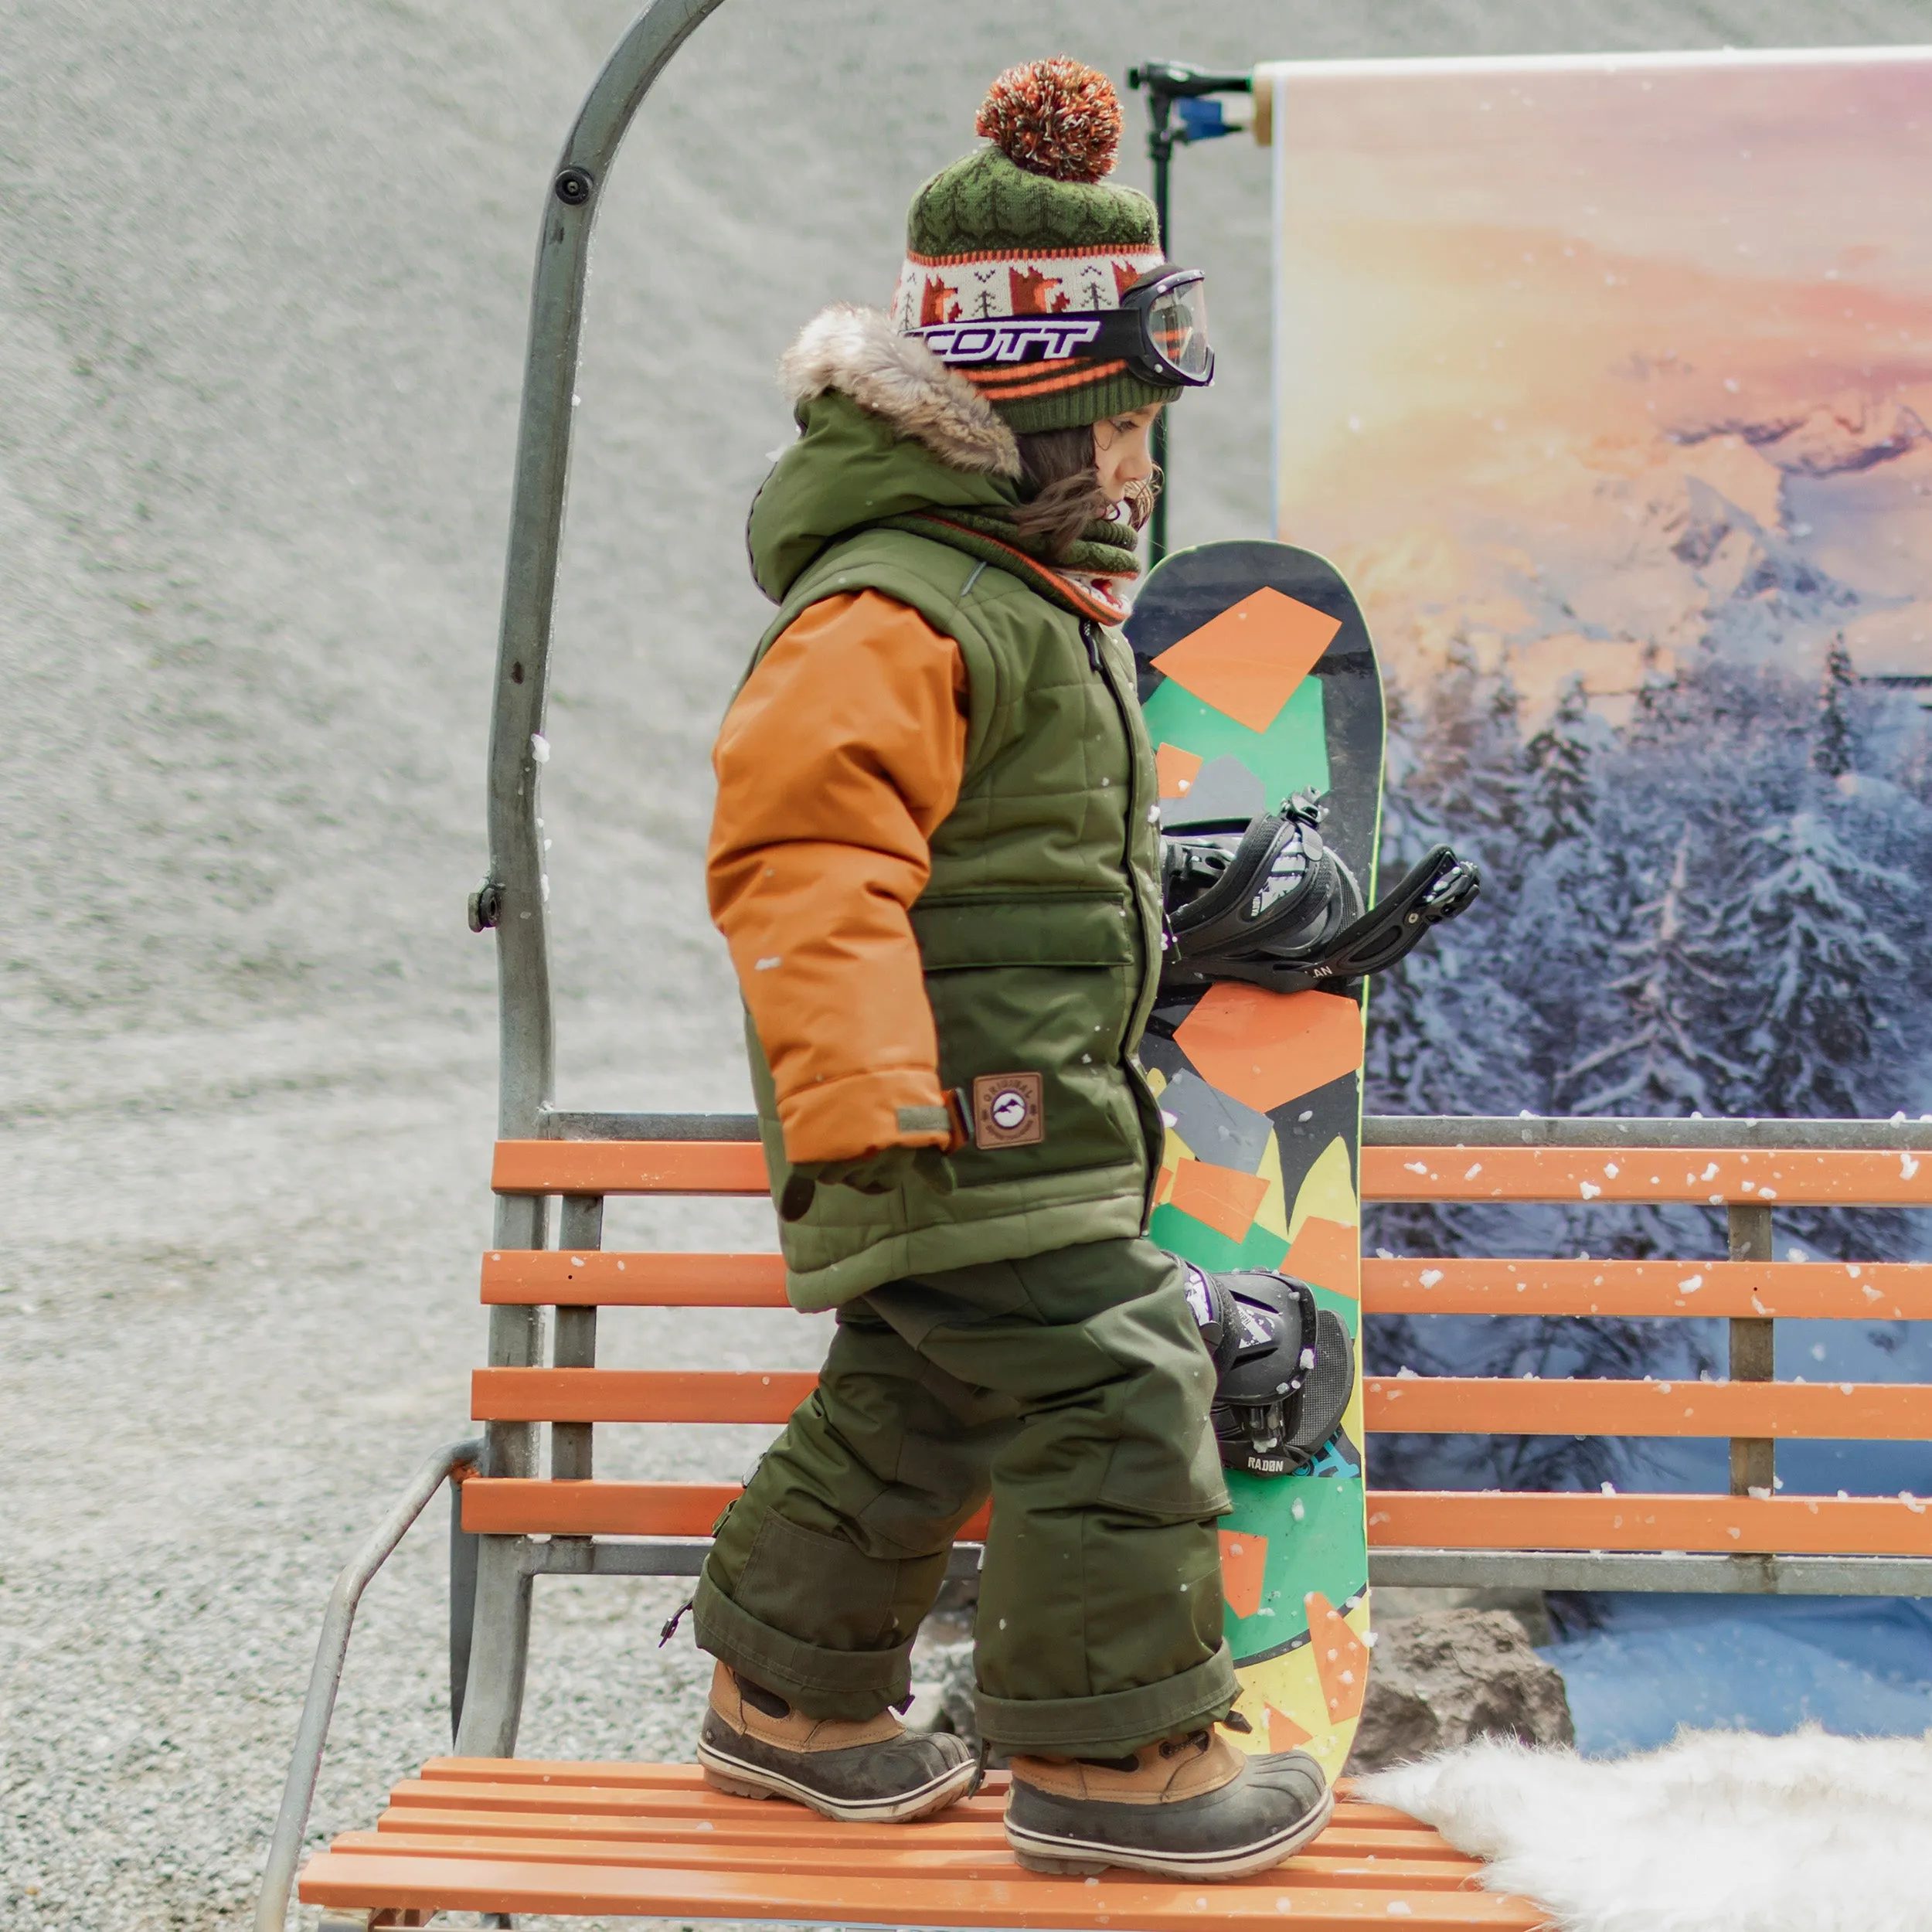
1258, 680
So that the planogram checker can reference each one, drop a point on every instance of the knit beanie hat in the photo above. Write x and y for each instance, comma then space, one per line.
1027, 226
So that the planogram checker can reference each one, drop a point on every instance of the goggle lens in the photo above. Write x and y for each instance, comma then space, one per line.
1177, 328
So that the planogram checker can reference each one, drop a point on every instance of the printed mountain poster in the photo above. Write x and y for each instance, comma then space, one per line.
1608, 385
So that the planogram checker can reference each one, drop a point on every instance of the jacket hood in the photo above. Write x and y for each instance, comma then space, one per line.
885, 429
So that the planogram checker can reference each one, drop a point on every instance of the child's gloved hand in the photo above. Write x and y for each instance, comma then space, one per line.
877, 1173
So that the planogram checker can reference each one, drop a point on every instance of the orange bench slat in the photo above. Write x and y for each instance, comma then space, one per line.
551, 1277
1424, 1405
810, 1852
535, 1506
621, 1774
1828, 1411
1813, 1291
773, 1828
1841, 1177
1748, 1177
1398, 1519
638, 1395
573, 1792
1727, 1526
1023, 1900
590, 1811
628, 1167
632, 1817
1423, 1284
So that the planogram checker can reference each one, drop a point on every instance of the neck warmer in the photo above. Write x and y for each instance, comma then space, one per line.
1085, 581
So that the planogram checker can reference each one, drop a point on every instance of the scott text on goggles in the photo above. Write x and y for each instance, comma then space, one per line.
1016, 341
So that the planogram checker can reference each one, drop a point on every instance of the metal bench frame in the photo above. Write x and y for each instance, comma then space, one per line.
491, 1576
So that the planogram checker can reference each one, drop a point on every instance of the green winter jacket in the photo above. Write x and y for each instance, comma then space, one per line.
1040, 928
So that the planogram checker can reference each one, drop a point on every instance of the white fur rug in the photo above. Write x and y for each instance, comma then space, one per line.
1720, 1831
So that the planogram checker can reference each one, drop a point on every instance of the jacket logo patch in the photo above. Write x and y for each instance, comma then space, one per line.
1009, 1110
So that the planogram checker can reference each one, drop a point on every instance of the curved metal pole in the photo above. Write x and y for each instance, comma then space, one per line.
292, 1822
513, 900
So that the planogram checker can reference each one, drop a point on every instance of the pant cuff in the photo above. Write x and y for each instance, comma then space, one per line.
851, 1684
1114, 1724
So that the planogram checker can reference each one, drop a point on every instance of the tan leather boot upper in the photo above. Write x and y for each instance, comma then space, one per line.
1164, 1774
795, 1731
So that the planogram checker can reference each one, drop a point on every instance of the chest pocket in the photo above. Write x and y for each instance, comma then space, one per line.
961, 931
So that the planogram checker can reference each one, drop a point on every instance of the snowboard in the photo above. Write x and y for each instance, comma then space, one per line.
1257, 680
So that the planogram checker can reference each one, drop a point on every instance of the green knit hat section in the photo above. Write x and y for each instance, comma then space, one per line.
1068, 409
986, 204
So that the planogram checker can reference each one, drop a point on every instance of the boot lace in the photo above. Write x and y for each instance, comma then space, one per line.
1195, 1741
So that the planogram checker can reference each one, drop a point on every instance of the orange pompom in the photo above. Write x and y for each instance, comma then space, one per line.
1057, 117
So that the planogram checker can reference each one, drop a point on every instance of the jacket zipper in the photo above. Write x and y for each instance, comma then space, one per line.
1089, 635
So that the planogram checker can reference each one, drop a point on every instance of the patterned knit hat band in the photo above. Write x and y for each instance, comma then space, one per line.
996, 285
1026, 229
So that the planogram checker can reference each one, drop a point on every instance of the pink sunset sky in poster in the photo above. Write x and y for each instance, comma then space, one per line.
1571, 362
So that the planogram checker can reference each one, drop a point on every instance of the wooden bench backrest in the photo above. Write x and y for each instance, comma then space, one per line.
1751, 1411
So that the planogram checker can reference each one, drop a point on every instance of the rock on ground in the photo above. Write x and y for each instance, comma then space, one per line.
943, 1685
1442, 1679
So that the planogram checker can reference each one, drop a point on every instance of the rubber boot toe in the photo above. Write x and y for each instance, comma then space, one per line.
1192, 1808
752, 1744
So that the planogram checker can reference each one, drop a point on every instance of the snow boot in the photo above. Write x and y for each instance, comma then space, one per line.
753, 1744
1187, 1807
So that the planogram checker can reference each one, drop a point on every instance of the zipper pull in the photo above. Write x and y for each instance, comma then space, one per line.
1090, 637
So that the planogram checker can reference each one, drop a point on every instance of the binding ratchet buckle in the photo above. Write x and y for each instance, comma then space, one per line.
1273, 904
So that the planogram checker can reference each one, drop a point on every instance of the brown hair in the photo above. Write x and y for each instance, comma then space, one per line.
1060, 489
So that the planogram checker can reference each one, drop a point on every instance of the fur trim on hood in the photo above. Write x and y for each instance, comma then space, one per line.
858, 353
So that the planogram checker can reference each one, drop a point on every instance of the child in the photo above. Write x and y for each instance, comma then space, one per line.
936, 858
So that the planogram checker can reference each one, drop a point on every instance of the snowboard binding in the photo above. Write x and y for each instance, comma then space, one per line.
1273, 904
1283, 1370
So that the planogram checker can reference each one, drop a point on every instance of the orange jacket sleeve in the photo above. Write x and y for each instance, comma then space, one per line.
842, 753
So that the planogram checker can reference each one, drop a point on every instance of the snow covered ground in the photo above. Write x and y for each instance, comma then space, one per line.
264, 290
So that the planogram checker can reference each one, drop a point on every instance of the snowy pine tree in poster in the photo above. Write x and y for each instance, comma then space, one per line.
1834, 754
1805, 961
1658, 1060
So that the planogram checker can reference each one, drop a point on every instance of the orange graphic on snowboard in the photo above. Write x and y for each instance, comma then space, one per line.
1174, 769
1244, 1565
1341, 1659
1223, 1197
1328, 1254
1285, 1734
1268, 1048
1247, 662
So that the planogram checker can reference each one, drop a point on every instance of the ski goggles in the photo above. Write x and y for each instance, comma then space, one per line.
1159, 332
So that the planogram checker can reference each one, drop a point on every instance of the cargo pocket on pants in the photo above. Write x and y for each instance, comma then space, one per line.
1166, 1465
1164, 1485
804, 1581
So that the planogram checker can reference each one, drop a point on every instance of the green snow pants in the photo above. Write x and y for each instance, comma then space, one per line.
1074, 1386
